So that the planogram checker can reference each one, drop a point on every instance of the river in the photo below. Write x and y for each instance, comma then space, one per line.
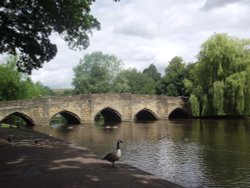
191, 153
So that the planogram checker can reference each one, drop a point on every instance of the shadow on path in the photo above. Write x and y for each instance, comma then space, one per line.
36, 160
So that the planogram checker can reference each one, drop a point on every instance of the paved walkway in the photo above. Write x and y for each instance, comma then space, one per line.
54, 163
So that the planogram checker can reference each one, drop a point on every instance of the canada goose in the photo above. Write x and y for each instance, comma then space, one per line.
9, 139
114, 156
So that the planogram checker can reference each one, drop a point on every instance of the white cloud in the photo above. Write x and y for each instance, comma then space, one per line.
141, 32
211, 4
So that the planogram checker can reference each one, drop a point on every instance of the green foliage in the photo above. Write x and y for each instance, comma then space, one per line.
188, 85
195, 105
137, 82
96, 73
44, 90
121, 83
152, 72
205, 105
188, 82
172, 83
220, 79
9, 84
247, 92
25, 28
172, 90
101, 73
236, 86
15, 85
67, 92
218, 97
60, 92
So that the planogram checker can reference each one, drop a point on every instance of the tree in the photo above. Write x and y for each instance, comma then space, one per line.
189, 79
221, 77
96, 73
26, 25
172, 82
9, 84
44, 90
137, 82
247, 92
15, 85
152, 72
121, 83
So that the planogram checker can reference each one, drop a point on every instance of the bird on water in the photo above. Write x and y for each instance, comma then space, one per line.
114, 156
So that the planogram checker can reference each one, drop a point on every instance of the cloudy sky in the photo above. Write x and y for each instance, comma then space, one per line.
142, 32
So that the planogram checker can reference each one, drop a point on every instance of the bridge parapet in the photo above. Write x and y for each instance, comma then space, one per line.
22, 102
86, 107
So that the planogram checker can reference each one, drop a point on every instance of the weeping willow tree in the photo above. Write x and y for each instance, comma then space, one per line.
195, 105
236, 91
204, 105
221, 82
247, 91
218, 97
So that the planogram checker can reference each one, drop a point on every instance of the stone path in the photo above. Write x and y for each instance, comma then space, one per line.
36, 160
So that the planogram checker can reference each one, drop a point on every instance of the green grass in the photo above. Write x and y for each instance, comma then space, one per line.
7, 126
62, 92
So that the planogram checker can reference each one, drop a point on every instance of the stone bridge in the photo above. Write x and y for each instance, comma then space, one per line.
86, 108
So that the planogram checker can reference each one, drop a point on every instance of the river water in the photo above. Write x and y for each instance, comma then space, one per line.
191, 153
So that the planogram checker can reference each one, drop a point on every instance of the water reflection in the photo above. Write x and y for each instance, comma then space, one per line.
192, 153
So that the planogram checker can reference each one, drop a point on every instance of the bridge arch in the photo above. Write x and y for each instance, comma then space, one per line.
178, 113
70, 117
85, 107
109, 115
145, 115
10, 119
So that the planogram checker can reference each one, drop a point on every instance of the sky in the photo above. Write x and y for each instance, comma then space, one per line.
142, 32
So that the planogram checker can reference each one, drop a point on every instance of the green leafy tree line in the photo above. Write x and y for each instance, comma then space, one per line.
218, 84
102, 73
15, 85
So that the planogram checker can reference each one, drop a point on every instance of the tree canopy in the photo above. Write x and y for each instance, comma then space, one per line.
220, 85
135, 82
96, 73
172, 82
15, 85
26, 25
152, 72
103, 73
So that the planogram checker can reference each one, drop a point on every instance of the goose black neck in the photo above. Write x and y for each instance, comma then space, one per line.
118, 145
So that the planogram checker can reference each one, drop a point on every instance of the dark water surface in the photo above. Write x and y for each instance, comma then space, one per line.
191, 153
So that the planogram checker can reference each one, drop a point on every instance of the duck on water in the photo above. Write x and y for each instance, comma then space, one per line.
114, 156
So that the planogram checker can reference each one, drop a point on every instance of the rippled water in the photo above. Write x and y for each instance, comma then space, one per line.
191, 153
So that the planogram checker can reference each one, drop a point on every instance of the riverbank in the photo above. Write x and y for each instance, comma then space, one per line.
31, 159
